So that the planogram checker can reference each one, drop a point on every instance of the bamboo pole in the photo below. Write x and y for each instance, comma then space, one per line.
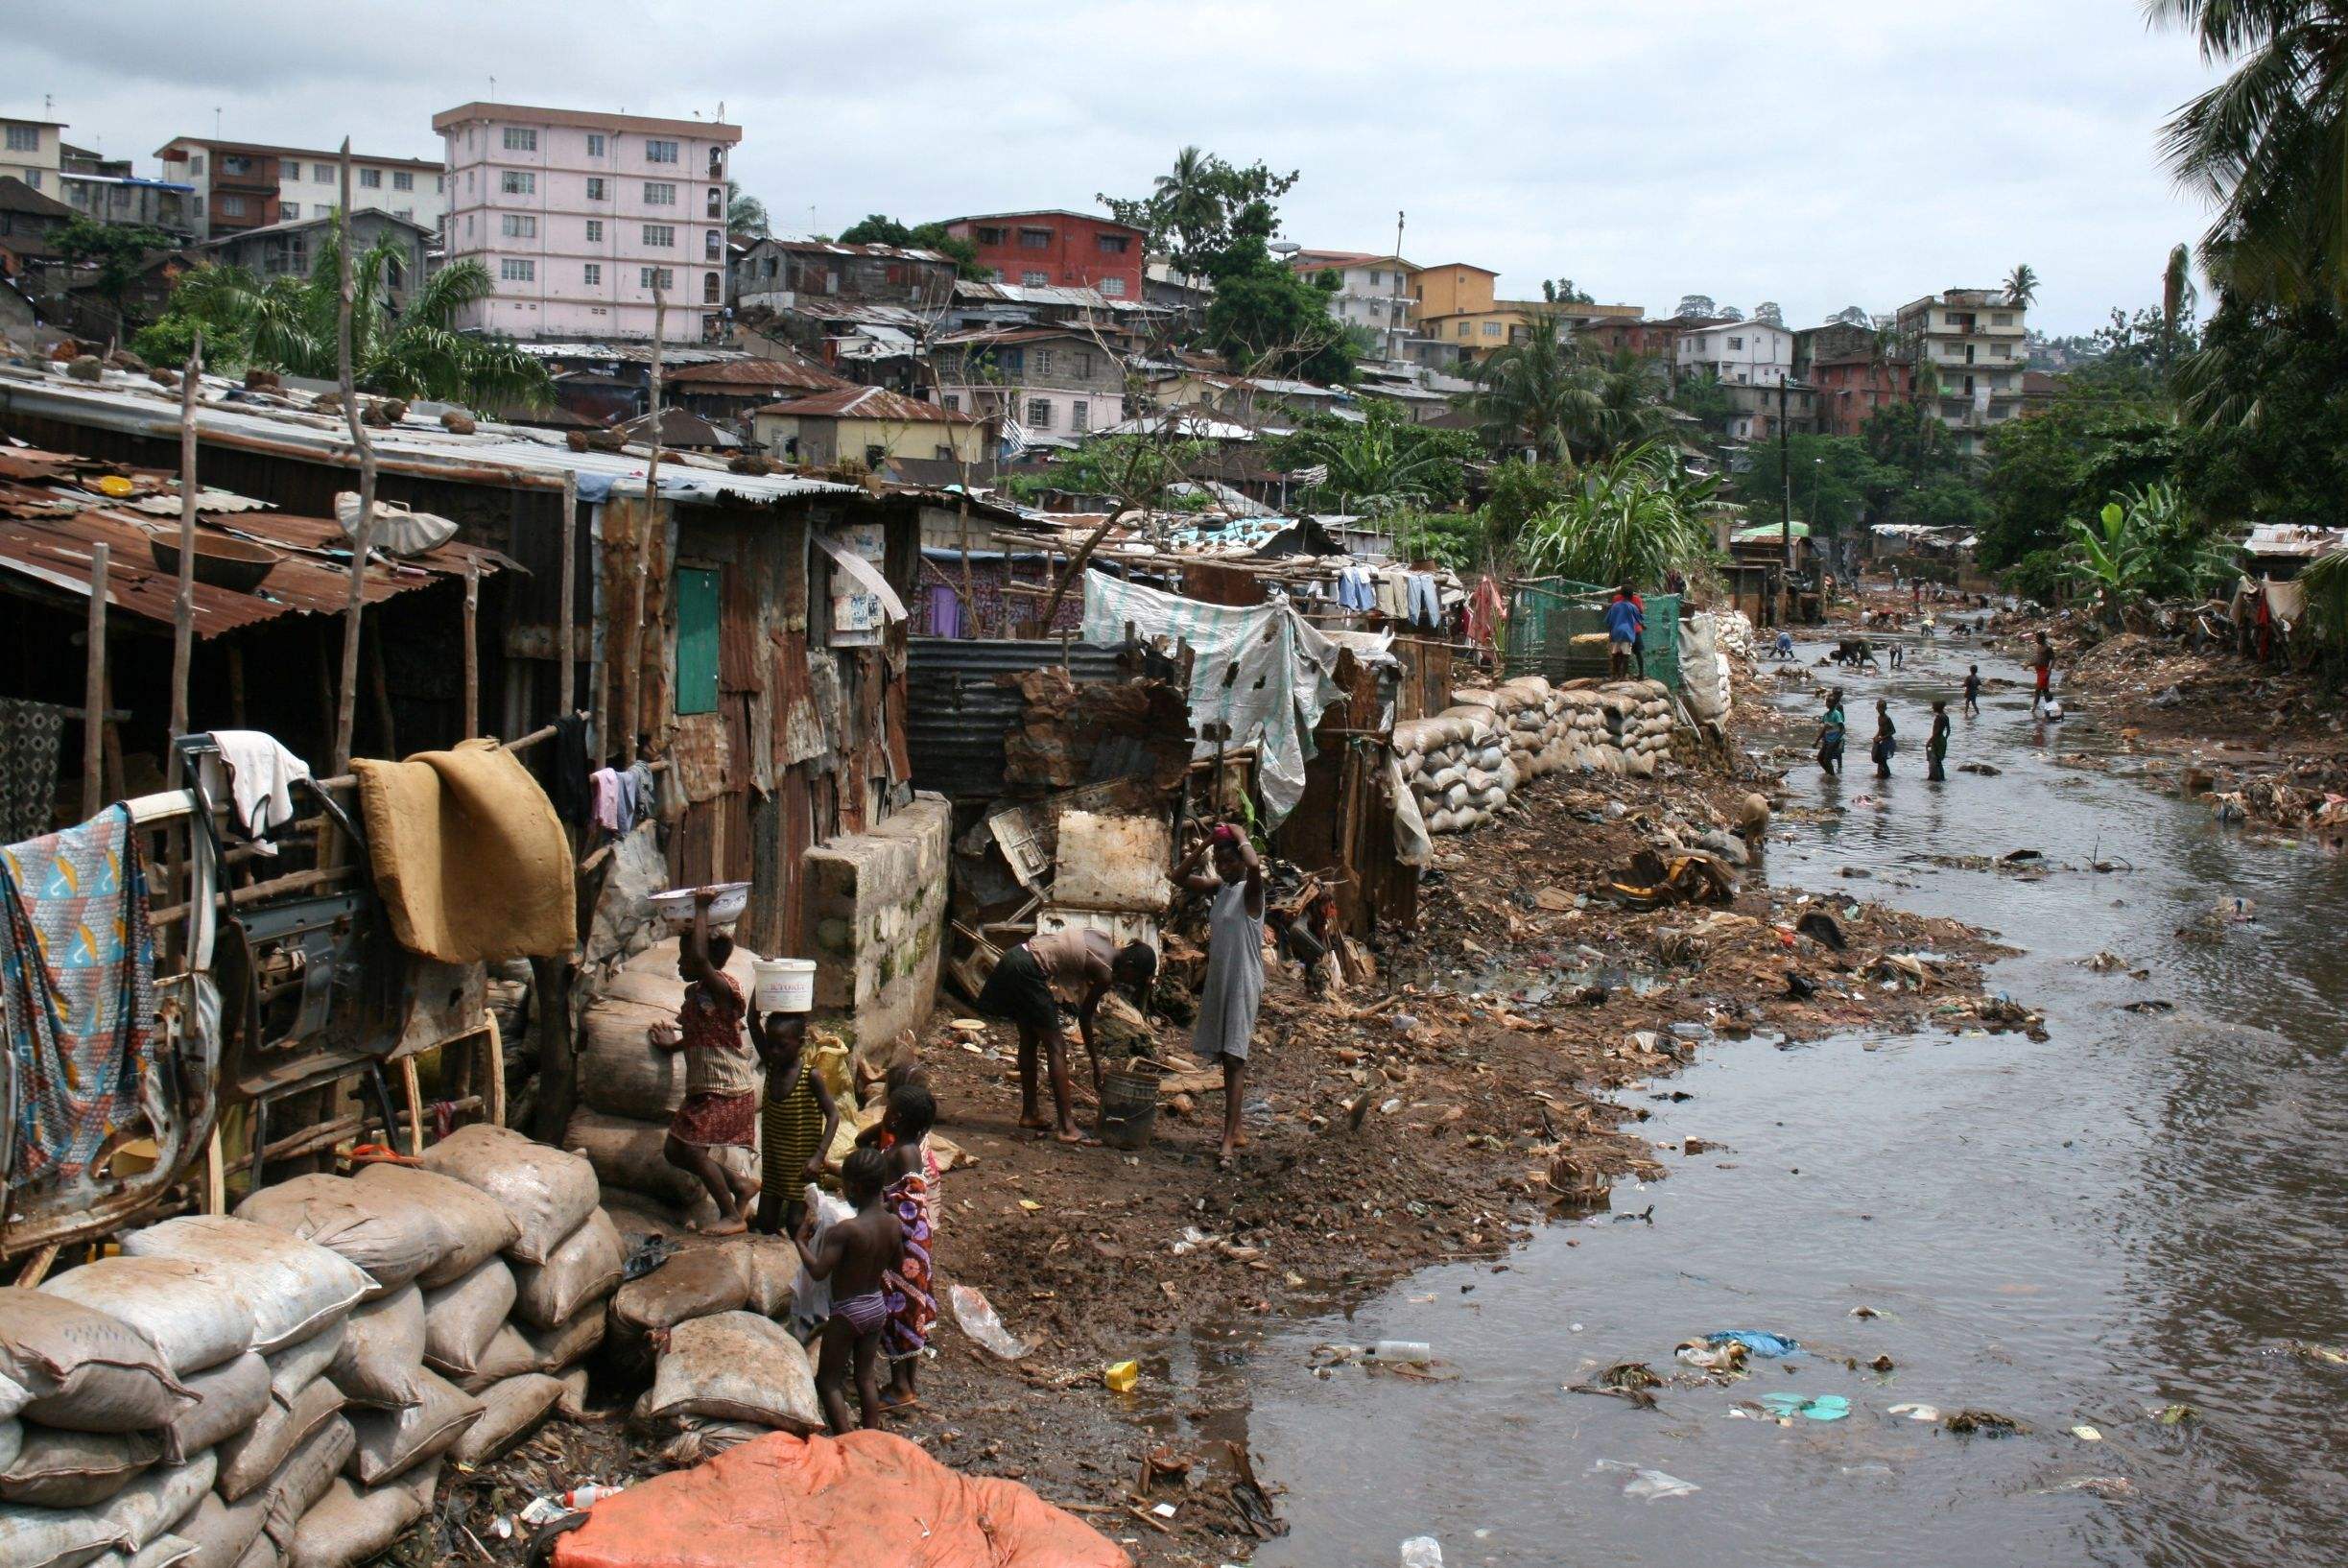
183, 608
632, 675
93, 688
570, 573
472, 647
348, 692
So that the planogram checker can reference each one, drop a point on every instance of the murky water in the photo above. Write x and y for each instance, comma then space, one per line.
2144, 1210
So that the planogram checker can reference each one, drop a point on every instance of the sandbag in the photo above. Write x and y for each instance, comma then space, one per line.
869, 1497
150, 1505
626, 1154
54, 1537
736, 1366
621, 1072
584, 1269
264, 1552
770, 1270
221, 1533
11, 1441
509, 1353
547, 1193
248, 1459
392, 1440
382, 1354
472, 1227
228, 1399
392, 1239
509, 1411
695, 1283
57, 1470
167, 1550
303, 1479
294, 1287
572, 1405
187, 1308
460, 1319
296, 1366
352, 1523
697, 1439
86, 1370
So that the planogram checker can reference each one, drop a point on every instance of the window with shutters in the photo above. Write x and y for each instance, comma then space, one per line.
521, 139
371, 178
659, 151
598, 190
697, 640
595, 144
592, 274
517, 182
402, 181
659, 193
595, 231
519, 225
1039, 413
660, 236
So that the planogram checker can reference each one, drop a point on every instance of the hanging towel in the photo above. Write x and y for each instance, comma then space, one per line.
261, 777
77, 994
469, 856
30, 733
605, 783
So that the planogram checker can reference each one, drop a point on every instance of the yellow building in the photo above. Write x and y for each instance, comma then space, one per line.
867, 425
1455, 288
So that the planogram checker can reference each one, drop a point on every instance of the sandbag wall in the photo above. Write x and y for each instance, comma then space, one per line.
628, 1089
1466, 762
281, 1387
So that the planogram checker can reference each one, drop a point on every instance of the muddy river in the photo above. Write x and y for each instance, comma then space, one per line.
2144, 1211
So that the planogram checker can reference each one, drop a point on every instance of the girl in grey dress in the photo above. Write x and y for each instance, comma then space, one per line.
1234, 963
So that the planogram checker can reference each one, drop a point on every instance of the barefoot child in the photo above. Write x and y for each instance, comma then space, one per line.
855, 1254
720, 1076
902, 1138
796, 1125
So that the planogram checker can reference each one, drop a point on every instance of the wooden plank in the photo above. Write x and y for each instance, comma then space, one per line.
93, 688
411, 1083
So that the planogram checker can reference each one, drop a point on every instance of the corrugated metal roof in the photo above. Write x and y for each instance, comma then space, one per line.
491, 454
957, 716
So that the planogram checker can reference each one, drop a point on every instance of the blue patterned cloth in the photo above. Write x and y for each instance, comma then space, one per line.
76, 993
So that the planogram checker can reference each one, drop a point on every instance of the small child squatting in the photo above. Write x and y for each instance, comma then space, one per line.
856, 1254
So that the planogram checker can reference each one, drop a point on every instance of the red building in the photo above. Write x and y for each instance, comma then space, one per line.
1853, 385
1657, 340
1058, 249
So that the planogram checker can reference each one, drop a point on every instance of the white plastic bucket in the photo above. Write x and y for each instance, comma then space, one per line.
783, 984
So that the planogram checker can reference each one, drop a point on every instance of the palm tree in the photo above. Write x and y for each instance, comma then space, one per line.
2267, 143
1545, 392
2022, 286
410, 350
1384, 464
2177, 298
1185, 199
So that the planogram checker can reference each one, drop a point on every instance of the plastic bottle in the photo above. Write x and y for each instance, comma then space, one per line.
1422, 1552
1406, 1352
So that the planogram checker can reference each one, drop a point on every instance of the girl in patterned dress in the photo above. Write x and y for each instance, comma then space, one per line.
903, 1136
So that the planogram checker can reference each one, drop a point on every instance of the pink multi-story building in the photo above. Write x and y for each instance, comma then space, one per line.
575, 215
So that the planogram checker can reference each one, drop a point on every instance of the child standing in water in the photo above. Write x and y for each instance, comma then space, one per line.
1936, 749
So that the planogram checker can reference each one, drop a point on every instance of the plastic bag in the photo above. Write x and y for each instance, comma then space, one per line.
83, 1369
472, 1227
736, 1366
294, 1287
188, 1309
977, 1317
382, 1353
547, 1192
811, 1298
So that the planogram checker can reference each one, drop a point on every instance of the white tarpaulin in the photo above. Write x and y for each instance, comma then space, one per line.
1260, 670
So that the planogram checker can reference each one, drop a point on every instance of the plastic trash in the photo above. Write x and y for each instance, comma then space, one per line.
1120, 1376
1422, 1552
1768, 1346
977, 1316
1402, 1352
2086, 1434
545, 1510
1825, 1407
1645, 1485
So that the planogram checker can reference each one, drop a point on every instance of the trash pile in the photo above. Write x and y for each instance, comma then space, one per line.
283, 1386
1464, 764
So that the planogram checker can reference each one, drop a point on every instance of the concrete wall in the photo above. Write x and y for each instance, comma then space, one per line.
874, 911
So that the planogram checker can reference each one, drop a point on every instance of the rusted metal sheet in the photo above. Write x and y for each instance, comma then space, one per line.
1423, 689
698, 750
957, 715
795, 833
738, 631
799, 728
893, 720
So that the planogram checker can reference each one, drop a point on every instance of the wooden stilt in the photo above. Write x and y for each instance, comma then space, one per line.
346, 714
565, 665
413, 1088
472, 647
381, 682
493, 1092
183, 608
93, 688
215, 1174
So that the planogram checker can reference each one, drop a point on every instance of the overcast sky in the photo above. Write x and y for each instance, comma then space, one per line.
1817, 152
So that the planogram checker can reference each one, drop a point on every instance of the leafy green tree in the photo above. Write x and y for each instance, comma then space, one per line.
1266, 318
1706, 399
1560, 291
414, 350
117, 255
1384, 463
1838, 487
1697, 305
877, 228
2022, 286
2266, 402
1204, 210
745, 214
2142, 546
1518, 492
1548, 393
1133, 469
2065, 460
1457, 539
1634, 517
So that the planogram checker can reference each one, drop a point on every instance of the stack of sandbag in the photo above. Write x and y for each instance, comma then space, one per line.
1734, 630
513, 1327
725, 1378
1581, 731
1703, 669
628, 1089
1638, 723
1452, 764
160, 1404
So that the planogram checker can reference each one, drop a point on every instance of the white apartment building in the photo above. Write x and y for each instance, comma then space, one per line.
244, 185
1373, 292
1971, 339
30, 152
1741, 354
578, 215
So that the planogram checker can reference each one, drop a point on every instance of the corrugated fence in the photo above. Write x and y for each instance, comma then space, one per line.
958, 714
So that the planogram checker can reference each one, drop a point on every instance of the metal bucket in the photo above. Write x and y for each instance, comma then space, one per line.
1129, 1109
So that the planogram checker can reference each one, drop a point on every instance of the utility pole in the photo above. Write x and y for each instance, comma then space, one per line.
1784, 463
1393, 312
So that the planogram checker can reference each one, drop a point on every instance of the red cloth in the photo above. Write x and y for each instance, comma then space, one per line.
716, 1120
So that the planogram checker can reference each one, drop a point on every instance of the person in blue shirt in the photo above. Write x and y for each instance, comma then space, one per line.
1625, 626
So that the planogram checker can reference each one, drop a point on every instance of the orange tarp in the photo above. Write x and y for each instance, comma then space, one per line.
867, 1499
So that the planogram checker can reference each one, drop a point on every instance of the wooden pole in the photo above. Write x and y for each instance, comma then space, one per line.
379, 680
347, 693
632, 675
570, 573
472, 647
93, 688
183, 608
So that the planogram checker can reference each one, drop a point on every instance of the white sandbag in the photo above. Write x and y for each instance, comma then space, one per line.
296, 1366
228, 1399
221, 1533
1412, 845
392, 1440
264, 1552
560, 1349
547, 1192
303, 1479
186, 1308
166, 1551
509, 1353
736, 1366
83, 1369
350, 1524
147, 1509
509, 1411
473, 1226
294, 1287
583, 1269
54, 1537
382, 1354
248, 1459
391, 1240
695, 1283
460, 1319
57, 1470
11, 1441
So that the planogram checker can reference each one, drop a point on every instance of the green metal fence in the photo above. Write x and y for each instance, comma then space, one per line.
1544, 618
